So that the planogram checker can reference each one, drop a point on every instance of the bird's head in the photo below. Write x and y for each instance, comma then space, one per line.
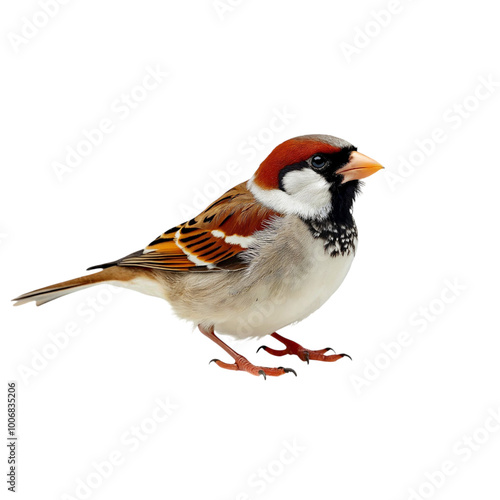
310, 175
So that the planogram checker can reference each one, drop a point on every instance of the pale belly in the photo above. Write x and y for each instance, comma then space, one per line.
304, 294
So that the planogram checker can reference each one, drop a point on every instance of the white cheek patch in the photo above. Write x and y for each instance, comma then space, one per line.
307, 186
307, 194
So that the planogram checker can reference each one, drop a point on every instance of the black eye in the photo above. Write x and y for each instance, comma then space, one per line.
318, 161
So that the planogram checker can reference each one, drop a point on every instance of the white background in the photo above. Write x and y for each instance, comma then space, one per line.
376, 427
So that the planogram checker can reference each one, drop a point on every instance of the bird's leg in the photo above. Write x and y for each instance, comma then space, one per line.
292, 347
241, 363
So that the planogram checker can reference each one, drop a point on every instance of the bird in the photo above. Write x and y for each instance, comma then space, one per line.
264, 255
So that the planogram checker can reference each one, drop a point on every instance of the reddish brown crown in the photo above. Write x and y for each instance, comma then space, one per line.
288, 153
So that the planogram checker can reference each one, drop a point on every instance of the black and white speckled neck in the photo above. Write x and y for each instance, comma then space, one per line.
338, 239
338, 230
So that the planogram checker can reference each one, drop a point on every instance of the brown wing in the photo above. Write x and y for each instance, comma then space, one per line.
210, 241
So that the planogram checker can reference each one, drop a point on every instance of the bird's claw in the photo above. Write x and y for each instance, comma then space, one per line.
242, 364
306, 355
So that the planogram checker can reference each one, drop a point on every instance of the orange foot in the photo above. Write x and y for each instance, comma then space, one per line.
304, 354
244, 365
241, 363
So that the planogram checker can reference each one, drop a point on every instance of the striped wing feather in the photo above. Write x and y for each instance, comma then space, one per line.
210, 241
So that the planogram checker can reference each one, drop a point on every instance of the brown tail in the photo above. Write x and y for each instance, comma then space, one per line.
43, 295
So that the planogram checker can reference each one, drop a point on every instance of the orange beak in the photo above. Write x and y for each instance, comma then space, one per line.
359, 167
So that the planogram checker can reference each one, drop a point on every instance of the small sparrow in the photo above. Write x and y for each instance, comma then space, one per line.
266, 254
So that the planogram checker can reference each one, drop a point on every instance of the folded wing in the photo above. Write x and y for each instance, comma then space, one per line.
214, 240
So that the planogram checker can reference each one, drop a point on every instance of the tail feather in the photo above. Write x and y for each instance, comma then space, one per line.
48, 293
